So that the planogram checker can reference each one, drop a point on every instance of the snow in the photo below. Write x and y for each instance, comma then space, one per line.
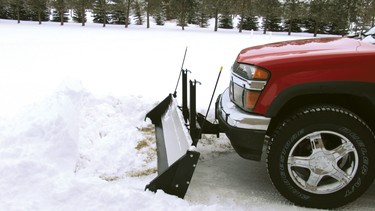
73, 102
369, 39
371, 31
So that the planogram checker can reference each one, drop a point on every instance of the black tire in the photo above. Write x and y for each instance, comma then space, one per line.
322, 157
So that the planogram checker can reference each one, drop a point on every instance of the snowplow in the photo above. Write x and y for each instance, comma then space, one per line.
177, 131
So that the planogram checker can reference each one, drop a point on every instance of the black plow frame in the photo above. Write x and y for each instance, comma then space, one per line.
174, 178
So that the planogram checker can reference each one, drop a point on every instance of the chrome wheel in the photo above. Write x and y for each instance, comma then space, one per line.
322, 156
322, 162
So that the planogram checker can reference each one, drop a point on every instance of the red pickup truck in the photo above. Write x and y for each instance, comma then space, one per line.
310, 105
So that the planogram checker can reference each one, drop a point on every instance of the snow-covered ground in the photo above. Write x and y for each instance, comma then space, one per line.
73, 102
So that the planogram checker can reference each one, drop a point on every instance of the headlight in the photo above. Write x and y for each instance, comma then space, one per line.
250, 72
248, 82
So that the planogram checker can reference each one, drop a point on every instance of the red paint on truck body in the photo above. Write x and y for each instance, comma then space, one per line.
312, 60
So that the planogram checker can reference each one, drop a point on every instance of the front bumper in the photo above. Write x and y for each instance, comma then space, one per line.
245, 131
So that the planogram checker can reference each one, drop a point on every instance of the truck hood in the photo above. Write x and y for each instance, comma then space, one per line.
283, 51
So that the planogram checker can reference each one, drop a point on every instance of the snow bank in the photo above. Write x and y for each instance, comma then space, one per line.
39, 147
77, 151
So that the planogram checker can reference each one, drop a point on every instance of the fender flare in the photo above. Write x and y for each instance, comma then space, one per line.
360, 89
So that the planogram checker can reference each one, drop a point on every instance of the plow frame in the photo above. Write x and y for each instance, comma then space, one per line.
174, 175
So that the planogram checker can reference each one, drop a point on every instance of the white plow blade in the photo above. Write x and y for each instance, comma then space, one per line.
176, 157
176, 136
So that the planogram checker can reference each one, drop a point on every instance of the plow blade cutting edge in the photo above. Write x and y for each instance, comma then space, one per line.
177, 157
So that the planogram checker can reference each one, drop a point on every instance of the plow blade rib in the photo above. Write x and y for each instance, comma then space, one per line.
176, 162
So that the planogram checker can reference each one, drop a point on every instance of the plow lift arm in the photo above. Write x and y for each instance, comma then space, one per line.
177, 131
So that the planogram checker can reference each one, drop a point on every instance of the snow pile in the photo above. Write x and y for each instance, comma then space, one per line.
75, 151
39, 148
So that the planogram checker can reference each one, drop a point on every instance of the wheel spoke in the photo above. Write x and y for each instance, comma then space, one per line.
343, 150
316, 142
313, 181
298, 161
340, 175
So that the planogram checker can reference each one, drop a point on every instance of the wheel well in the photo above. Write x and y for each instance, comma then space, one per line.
358, 105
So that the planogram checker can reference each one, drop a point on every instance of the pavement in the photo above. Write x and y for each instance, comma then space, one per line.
231, 180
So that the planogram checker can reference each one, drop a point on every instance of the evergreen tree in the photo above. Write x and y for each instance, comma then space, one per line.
138, 11
273, 23
245, 10
293, 12
79, 17
293, 25
59, 16
269, 10
225, 19
181, 10
156, 9
159, 19
318, 14
366, 14
337, 23
4, 9
249, 23
79, 8
215, 9
160, 12
60, 6
101, 12
202, 14
118, 15
352, 8
170, 10
192, 13
359, 14
18, 10
39, 11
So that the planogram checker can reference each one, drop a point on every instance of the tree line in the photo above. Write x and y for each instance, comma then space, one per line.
315, 16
